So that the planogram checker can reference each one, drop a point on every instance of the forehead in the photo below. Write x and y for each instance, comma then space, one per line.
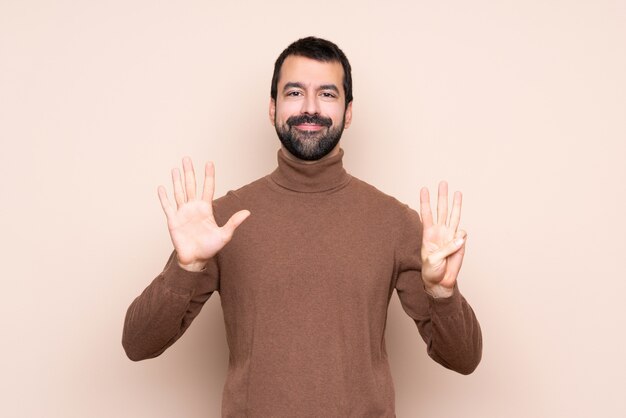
309, 71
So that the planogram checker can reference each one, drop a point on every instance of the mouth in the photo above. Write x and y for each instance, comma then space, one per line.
309, 127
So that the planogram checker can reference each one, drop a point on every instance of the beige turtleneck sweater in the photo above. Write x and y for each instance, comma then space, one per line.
304, 285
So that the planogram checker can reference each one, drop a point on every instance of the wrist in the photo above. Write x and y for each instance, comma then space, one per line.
438, 291
193, 267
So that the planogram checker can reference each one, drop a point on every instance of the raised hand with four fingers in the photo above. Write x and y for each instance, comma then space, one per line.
443, 244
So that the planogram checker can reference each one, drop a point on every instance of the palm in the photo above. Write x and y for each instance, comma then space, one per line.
194, 233
441, 256
193, 230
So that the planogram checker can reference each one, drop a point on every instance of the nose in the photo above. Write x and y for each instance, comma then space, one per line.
310, 105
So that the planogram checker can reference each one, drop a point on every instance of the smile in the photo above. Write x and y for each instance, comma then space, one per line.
309, 127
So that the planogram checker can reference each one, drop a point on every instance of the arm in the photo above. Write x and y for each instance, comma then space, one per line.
166, 308
429, 257
448, 326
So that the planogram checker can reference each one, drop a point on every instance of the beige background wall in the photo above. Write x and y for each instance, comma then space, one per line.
519, 104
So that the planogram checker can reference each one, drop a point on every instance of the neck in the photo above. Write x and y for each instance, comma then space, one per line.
321, 175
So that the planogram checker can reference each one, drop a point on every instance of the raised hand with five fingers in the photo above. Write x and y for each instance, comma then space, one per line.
443, 244
193, 230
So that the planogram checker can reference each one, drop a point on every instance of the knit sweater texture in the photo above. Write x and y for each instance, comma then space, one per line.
305, 284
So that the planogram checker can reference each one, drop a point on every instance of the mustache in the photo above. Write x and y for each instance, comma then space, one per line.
314, 119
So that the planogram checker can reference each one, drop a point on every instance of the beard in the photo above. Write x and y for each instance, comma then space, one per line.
309, 145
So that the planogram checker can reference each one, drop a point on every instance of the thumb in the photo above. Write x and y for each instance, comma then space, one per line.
229, 227
450, 248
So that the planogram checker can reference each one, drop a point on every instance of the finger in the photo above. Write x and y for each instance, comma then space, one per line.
209, 182
442, 203
426, 213
229, 227
190, 178
450, 248
455, 216
455, 261
165, 202
179, 195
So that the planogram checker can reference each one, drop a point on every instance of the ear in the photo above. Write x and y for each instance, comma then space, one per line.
272, 112
348, 116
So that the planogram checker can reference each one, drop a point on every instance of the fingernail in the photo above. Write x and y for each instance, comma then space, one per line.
458, 241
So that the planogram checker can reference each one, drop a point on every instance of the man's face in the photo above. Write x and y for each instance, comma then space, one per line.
309, 113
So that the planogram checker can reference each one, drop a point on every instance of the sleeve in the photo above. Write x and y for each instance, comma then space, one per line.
447, 325
165, 309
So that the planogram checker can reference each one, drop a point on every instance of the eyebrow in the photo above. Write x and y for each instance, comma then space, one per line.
292, 84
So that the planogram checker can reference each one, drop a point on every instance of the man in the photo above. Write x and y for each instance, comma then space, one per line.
306, 262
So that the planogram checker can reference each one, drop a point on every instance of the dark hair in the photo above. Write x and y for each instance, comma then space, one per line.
319, 50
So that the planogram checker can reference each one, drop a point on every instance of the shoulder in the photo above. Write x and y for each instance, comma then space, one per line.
389, 207
377, 197
238, 199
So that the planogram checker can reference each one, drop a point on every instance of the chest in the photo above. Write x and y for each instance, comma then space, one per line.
310, 251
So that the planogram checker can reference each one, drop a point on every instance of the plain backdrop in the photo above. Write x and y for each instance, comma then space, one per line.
521, 105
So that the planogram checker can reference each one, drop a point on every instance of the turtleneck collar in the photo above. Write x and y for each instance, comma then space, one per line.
320, 176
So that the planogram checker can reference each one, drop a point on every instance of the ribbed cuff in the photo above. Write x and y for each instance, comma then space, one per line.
446, 306
179, 280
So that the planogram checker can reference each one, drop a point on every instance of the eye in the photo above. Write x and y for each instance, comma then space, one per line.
329, 95
294, 93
